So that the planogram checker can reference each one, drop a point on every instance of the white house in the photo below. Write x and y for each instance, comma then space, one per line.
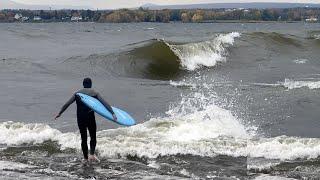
18, 16
37, 18
25, 18
312, 19
76, 18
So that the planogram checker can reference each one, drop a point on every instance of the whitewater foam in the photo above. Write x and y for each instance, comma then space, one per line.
284, 148
182, 84
194, 126
221, 135
218, 133
16, 133
261, 165
208, 53
268, 177
207, 132
300, 61
317, 36
291, 84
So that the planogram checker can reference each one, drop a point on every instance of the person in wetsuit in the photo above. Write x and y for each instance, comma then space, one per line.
86, 119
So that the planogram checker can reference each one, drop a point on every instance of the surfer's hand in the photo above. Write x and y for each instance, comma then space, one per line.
57, 116
115, 117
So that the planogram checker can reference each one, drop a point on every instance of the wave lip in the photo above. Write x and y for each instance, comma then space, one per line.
208, 53
290, 84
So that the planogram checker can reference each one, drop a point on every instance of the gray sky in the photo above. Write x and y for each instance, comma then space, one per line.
108, 4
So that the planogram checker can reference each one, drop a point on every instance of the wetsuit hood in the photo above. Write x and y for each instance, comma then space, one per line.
87, 83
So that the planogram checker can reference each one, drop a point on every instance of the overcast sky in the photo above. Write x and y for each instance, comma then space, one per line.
108, 4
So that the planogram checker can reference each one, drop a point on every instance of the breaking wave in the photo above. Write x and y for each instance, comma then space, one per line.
284, 148
16, 133
166, 59
161, 59
208, 53
193, 126
291, 84
206, 131
156, 59
314, 35
222, 135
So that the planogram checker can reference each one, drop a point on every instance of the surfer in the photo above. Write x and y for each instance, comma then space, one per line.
86, 119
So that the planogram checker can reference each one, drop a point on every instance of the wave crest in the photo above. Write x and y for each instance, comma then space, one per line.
280, 39
208, 53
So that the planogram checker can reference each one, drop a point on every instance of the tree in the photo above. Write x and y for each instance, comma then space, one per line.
266, 15
2, 17
197, 18
90, 14
185, 17
96, 16
164, 16
257, 15
175, 15
56, 15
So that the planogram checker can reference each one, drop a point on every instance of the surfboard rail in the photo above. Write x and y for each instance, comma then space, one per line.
123, 118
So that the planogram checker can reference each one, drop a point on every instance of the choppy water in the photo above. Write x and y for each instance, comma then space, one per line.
212, 101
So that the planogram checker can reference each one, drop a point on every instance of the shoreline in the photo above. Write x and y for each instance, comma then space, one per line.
171, 22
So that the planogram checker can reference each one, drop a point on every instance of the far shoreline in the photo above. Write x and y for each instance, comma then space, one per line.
236, 15
171, 22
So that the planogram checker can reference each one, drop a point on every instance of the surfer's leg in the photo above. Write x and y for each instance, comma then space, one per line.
84, 137
93, 139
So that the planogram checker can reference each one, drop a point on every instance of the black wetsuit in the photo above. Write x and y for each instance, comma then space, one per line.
86, 119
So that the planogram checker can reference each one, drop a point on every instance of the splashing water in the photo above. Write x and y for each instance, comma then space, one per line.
208, 53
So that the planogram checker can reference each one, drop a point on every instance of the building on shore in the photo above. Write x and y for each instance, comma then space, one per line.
37, 18
18, 16
24, 18
312, 19
76, 18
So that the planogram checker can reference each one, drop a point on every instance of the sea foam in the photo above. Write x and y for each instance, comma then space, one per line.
208, 53
291, 84
300, 61
160, 137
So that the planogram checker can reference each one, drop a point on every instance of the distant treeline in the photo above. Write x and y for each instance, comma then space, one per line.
145, 15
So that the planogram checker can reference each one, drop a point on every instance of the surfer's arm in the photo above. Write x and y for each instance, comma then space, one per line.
66, 105
107, 105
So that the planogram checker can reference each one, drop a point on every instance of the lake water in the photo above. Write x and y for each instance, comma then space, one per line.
212, 101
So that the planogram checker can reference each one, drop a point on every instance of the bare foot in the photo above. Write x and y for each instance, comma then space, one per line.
93, 158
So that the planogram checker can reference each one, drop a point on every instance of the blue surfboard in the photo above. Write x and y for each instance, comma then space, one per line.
123, 118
